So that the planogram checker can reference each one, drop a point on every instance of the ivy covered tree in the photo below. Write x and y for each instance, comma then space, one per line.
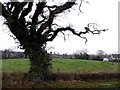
34, 31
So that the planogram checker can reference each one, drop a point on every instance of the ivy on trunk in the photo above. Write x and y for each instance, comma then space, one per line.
40, 63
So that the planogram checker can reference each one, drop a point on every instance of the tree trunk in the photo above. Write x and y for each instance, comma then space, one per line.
40, 64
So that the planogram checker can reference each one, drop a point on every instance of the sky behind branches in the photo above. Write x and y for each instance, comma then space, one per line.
102, 12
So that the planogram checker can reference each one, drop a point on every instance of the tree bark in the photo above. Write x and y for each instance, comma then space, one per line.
40, 64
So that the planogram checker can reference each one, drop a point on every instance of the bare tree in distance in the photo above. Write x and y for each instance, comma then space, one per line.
81, 51
100, 52
34, 31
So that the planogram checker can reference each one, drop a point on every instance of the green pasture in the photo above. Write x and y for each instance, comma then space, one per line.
62, 65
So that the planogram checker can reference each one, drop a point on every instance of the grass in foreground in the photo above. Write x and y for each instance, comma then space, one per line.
65, 84
62, 65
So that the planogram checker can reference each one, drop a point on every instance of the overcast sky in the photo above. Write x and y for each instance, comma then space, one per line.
102, 12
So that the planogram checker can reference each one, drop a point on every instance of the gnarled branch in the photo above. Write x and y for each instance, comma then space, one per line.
87, 30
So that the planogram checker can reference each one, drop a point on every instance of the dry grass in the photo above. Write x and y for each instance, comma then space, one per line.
64, 80
86, 76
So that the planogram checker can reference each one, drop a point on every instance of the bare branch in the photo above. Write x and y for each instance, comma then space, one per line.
84, 38
95, 30
63, 35
48, 23
52, 15
51, 7
66, 6
38, 11
87, 30
26, 11
56, 25
81, 5
18, 7
5, 13
63, 29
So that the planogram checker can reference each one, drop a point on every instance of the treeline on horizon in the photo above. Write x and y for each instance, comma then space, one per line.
10, 54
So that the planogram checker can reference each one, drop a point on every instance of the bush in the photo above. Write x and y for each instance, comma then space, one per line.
98, 58
22, 77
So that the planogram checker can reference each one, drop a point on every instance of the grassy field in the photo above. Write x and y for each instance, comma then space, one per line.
15, 70
62, 65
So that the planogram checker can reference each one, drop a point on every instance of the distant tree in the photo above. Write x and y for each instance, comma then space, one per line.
100, 52
6, 54
34, 31
20, 55
81, 54
10, 54
3, 55
0, 54
84, 51
99, 55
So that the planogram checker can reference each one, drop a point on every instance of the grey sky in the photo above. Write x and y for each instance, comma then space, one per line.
102, 12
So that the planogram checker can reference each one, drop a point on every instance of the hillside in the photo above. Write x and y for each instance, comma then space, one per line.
62, 65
